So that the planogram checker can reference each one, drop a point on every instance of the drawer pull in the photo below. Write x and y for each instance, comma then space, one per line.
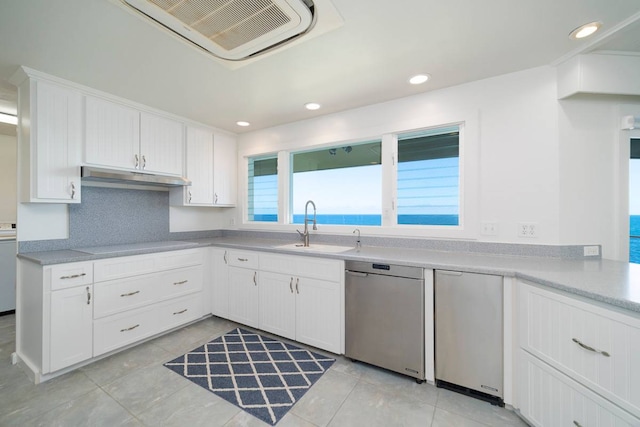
291, 285
255, 282
180, 312
575, 423
243, 259
129, 294
297, 282
586, 347
180, 283
88, 296
73, 276
130, 328
225, 257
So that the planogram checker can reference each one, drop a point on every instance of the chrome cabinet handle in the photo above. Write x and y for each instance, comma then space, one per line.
137, 161
189, 196
291, 285
88, 296
586, 347
243, 259
255, 281
180, 312
129, 328
297, 282
225, 257
129, 294
73, 190
575, 423
180, 283
144, 162
73, 276
215, 197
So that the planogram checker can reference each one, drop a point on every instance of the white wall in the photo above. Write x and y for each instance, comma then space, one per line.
8, 178
515, 146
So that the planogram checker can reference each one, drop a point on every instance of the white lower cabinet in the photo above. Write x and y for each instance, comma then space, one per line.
243, 296
578, 361
305, 304
71, 332
296, 297
68, 314
219, 282
549, 398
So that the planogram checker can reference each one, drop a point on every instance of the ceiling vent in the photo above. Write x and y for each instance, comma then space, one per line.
231, 29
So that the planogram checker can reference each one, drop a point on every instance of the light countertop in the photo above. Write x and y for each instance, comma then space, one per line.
611, 282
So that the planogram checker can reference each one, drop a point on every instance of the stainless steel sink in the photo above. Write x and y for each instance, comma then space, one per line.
314, 248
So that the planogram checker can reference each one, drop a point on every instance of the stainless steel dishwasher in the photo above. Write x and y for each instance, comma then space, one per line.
384, 316
469, 334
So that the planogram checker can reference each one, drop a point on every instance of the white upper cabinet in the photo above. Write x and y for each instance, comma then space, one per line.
199, 166
50, 128
161, 144
112, 134
224, 170
125, 138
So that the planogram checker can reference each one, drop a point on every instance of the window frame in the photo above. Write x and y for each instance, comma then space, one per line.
469, 178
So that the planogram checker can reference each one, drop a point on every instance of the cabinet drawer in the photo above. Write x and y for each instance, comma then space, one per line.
178, 259
116, 296
179, 282
69, 275
549, 398
110, 333
573, 335
179, 311
243, 259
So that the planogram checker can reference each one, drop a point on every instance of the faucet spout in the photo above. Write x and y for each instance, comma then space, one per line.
305, 234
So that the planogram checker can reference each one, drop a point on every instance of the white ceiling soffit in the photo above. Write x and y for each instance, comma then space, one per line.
231, 29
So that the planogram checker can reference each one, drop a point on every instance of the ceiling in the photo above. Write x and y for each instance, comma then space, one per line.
365, 56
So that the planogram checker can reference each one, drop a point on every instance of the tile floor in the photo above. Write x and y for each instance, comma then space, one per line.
132, 388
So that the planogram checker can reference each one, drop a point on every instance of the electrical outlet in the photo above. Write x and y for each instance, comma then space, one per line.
527, 229
591, 250
489, 229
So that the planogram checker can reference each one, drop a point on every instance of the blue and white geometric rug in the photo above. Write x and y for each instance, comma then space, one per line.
261, 375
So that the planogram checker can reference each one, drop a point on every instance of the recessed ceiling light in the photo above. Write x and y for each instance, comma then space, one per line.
243, 124
312, 106
419, 79
585, 30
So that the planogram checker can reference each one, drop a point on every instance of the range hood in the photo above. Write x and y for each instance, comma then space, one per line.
90, 173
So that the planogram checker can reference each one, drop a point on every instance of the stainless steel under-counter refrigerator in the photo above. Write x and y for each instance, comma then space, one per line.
469, 334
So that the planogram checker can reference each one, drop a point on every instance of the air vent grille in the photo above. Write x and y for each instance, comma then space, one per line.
232, 25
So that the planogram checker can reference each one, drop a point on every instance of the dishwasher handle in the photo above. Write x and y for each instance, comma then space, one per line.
449, 273
356, 273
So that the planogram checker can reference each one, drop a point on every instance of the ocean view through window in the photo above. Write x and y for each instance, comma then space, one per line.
344, 182
262, 191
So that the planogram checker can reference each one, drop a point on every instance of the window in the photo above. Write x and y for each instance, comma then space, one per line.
428, 177
344, 182
263, 189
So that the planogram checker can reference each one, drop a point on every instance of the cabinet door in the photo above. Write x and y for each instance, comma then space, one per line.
278, 304
199, 166
112, 134
243, 296
318, 313
161, 144
55, 144
224, 170
220, 288
71, 327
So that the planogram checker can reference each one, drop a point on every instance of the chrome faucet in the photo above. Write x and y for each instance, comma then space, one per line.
358, 244
305, 235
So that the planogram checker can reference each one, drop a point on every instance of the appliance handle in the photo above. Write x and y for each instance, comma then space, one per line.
450, 273
356, 273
